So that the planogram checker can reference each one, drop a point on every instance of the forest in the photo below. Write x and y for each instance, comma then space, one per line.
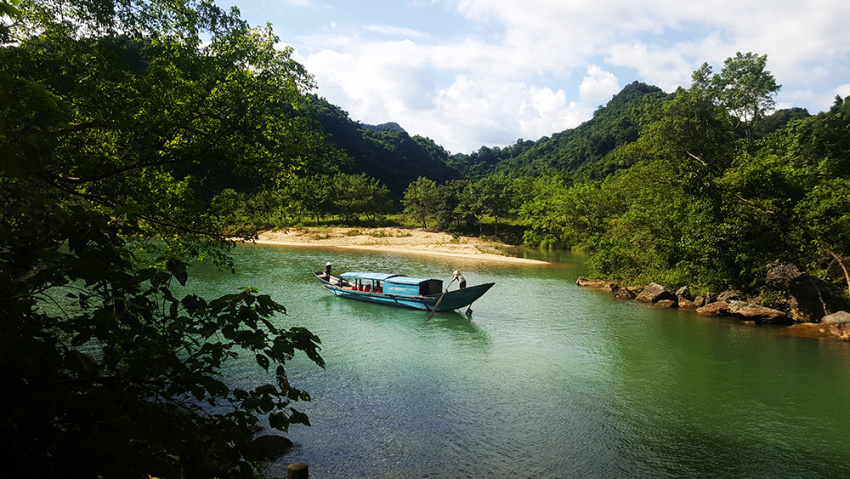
139, 135
705, 186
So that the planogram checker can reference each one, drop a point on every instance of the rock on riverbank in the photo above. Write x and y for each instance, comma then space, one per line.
803, 302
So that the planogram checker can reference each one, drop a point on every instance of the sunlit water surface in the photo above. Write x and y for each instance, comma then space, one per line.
544, 380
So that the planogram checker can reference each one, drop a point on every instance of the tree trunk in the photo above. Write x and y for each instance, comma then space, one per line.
840, 262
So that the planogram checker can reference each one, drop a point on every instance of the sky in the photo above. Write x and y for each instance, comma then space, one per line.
473, 73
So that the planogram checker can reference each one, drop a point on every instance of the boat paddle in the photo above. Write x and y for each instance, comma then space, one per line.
434, 310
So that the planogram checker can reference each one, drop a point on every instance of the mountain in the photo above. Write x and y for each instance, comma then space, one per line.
385, 152
578, 149
390, 126
778, 120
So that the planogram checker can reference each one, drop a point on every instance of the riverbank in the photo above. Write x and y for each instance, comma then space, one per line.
395, 240
800, 313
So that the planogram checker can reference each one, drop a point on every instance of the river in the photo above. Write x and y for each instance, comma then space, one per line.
545, 380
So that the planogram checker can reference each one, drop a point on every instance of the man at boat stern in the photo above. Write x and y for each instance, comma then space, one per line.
460, 279
328, 271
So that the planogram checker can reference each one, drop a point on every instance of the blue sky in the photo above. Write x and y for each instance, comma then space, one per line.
472, 73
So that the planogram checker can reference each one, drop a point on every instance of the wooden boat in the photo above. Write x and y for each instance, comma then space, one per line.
401, 290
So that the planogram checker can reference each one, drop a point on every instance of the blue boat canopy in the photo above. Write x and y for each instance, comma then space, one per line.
396, 283
407, 280
412, 286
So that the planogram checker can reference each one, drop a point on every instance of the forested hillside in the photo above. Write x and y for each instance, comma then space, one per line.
384, 152
655, 186
586, 149
576, 149
711, 196
706, 186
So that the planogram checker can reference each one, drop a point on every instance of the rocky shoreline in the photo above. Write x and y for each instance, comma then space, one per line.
807, 305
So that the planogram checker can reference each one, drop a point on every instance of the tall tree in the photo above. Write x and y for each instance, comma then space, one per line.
421, 199
743, 87
496, 194
355, 195
684, 129
113, 116
450, 214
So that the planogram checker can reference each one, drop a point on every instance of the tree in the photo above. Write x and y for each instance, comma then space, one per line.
450, 214
743, 87
421, 199
639, 224
377, 199
114, 116
545, 212
686, 129
107, 371
825, 213
315, 194
355, 195
495, 192
825, 137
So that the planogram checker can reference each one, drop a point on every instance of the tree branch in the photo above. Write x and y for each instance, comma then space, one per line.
107, 174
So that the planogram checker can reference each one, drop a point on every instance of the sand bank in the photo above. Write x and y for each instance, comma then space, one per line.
393, 240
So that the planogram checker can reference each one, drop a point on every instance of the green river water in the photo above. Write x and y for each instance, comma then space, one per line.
544, 380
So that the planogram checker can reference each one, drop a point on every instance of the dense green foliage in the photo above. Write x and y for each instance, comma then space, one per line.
743, 88
118, 120
697, 187
581, 148
461, 206
421, 200
342, 196
650, 186
385, 152
707, 201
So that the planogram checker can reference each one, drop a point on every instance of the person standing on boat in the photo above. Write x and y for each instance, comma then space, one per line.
328, 271
460, 279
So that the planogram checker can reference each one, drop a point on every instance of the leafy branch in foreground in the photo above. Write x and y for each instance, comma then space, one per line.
105, 371
114, 117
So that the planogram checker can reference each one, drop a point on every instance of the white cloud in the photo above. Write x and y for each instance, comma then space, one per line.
378, 82
666, 69
395, 31
598, 86
498, 113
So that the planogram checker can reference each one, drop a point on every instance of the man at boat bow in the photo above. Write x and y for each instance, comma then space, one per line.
460, 279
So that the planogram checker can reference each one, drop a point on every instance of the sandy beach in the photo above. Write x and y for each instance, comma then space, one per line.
392, 239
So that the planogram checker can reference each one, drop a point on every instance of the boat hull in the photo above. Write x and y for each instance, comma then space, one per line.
451, 300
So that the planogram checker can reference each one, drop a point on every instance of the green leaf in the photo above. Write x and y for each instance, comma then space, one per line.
215, 387
178, 270
279, 421
266, 389
84, 364
263, 361
298, 417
